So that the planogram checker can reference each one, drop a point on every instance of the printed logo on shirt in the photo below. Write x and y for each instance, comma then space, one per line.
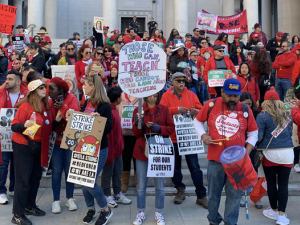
182, 65
227, 125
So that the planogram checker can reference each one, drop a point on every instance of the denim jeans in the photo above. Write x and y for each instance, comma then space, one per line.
96, 192
194, 168
205, 92
61, 159
6, 157
141, 171
217, 178
281, 86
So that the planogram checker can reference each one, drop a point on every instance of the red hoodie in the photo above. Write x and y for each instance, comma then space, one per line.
5, 101
284, 64
128, 39
249, 86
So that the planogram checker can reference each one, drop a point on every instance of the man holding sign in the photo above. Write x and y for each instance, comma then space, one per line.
182, 101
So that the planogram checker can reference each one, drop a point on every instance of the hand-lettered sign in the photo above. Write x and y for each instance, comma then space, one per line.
216, 78
6, 117
7, 18
142, 69
127, 112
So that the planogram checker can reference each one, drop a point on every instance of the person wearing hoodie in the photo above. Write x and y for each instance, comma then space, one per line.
13, 92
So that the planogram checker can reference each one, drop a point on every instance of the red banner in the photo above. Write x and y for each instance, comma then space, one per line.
7, 19
236, 24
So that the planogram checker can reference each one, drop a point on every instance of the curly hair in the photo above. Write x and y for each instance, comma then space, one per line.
276, 110
262, 62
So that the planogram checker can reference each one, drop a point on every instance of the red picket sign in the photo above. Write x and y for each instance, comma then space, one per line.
7, 19
259, 190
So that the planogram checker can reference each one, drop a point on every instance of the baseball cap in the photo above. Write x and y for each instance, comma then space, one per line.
106, 27
255, 36
20, 26
271, 95
232, 87
216, 47
178, 74
76, 33
188, 34
279, 34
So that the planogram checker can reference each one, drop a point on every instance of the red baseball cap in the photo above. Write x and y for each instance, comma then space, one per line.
255, 36
279, 34
236, 36
105, 27
271, 95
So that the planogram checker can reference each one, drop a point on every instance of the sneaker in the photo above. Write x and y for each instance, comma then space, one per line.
180, 195
259, 204
270, 213
34, 212
71, 204
56, 207
121, 198
139, 218
21, 220
89, 216
297, 168
48, 174
282, 220
242, 202
104, 217
111, 202
159, 219
3, 199
11, 193
203, 202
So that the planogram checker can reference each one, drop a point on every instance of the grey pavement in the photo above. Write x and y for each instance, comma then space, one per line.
188, 213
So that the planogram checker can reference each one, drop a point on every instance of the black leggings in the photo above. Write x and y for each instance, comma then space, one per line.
129, 143
278, 198
296, 154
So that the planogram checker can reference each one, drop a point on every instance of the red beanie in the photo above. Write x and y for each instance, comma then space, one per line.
60, 83
271, 95
257, 25
236, 36
115, 66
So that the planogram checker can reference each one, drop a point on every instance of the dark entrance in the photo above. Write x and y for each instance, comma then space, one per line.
125, 24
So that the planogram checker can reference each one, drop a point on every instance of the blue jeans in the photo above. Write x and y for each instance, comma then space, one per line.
96, 192
141, 172
194, 168
6, 157
281, 86
217, 178
61, 159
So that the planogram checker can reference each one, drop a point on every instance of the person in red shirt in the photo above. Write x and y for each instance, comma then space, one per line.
15, 64
30, 153
225, 119
43, 37
181, 101
156, 39
113, 168
261, 35
284, 64
188, 42
223, 40
131, 36
61, 102
205, 50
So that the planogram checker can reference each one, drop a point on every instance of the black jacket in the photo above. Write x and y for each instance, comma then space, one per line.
271, 46
235, 60
39, 63
233, 46
175, 60
3, 69
104, 109
251, 43
54, 60
98, 37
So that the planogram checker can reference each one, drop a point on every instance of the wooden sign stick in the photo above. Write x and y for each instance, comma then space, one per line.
1, 38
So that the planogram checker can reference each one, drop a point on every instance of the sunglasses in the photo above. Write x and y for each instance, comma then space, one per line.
87, 53
180, 81
70, 49
194, 55
203, 43
197, 31
220, 50
107, 51
36, 39
99, 53
42, 87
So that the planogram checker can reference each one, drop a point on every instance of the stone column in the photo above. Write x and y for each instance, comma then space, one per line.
252, 13
36, 14
169, 18
51, 17
266, 18
18, 21
181, 18
110, 14
4, 2
228, 7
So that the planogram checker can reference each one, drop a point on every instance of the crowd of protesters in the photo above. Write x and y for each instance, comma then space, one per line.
265, 74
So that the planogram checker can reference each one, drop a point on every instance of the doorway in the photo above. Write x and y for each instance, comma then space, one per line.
125, 24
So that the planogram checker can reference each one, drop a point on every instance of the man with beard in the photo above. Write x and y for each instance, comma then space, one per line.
226, 117
182, 101
13, 92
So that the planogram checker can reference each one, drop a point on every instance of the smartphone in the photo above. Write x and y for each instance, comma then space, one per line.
59, 98
97, 68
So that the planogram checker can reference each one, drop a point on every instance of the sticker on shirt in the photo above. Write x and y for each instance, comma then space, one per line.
195, 76
227, 125
277, 131
182, 65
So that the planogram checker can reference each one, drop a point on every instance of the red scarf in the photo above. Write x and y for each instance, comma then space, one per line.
181, 57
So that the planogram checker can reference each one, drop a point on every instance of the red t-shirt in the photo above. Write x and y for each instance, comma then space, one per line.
90, 108
223, 122
239, 59
189, 45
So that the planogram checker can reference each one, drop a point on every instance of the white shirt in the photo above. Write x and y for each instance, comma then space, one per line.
14, 98
280, 156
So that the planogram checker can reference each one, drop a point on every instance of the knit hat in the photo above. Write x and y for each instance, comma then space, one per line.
257, 25
236, 36
271, 95
115, 66
279, 34
60, 83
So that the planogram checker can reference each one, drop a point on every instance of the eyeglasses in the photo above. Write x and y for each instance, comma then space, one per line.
197, 31
220, 50
194, 55
37, 39
203, 43
99, 53
226, 37
42, 87
87, 53
107, 51
283, 46
70, 49
180, 81
188, 37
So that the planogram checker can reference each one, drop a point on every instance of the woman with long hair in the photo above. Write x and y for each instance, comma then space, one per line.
237, 57
38, 59
91, 70
113, 76
97, 104
156, 38
222, 40
295, 41
98, 25
70, 57
30, 152
119, 39
15, 63
248, 82
173, 33
156, 119
37, 39
146, 36
236, 42
277, 148
286, 36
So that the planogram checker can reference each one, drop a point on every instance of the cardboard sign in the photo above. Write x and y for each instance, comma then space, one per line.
98, 24
216, 78
207, 21
67, 73
187, 138
161, 156
6, 115
78, 44
18, 43
127, 113
52, 139
142, 67
231, 25
7, 18
277, 131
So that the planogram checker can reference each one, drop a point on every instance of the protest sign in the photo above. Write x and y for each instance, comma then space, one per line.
7, 19
18, 43
6, 115
127, 112
231, 25
98, 24
216, 78
78, 44
207, 21
67, 73
187, 138
142, 67
161, 156
83, 137
52, 139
